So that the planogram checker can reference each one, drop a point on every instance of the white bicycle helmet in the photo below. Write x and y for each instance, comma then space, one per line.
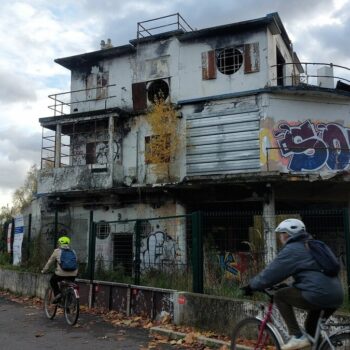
291, 226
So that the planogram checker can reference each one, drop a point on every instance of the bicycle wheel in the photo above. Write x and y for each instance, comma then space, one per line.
50, 309
71, 307
247, 335
339, 340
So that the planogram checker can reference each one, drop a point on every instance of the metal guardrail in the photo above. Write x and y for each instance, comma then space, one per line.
154, 26
303, 73
60, 105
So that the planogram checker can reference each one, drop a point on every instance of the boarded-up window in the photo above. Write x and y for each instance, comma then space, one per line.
208, 65
157, 149
251, 58
139, 96
102, 85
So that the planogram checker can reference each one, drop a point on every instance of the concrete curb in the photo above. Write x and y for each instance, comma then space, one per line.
215, 343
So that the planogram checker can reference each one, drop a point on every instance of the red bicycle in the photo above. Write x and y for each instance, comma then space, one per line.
260, 333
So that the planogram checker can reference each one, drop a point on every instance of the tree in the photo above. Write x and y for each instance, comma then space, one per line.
23, 196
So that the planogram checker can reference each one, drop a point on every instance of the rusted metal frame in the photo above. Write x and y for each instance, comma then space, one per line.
53, 107
63, 103
80, 90
42, 147
148, 30
328, 76
149, 219
312, 63
179, 16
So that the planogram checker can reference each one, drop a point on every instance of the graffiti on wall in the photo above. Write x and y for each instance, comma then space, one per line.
232, 265
94, 152
310, 146
158, 250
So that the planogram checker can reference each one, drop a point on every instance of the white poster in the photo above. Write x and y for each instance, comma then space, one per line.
18, 239
9, 231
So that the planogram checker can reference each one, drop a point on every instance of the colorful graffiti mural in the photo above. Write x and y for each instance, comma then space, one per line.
233, 265
310, 146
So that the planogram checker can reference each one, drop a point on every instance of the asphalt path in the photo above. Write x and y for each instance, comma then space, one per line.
25, 327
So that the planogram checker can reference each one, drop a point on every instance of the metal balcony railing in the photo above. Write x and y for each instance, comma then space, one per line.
308, 73
161, 24
65, 102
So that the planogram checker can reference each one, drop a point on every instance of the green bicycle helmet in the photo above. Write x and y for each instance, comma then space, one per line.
64, 240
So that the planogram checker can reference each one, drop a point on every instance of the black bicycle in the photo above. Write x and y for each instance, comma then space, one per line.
69, 302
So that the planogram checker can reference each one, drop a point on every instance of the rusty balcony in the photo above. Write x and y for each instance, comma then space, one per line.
83, 100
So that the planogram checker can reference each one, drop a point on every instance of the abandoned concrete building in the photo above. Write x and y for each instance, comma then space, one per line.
257, 133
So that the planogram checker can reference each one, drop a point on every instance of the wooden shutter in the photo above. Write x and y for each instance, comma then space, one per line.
251, 58
139, 96
208, 65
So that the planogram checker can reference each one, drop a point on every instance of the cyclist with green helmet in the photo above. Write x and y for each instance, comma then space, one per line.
60, 274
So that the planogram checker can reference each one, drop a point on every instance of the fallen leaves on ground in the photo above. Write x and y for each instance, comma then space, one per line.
118, 319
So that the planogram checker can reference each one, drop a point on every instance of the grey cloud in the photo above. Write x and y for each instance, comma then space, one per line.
14, 88
122, 28
12, 175
20, 145
333, 40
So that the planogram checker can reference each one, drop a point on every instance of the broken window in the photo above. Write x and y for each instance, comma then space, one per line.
151, 91
229, 60
157, 90
280, 67
157, 149
97, 152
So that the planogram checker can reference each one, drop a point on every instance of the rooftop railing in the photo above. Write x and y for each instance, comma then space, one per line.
161, 24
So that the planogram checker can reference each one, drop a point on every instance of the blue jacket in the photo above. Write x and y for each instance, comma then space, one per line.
295, 260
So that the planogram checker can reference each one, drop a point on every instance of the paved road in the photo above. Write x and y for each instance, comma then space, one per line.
25, 327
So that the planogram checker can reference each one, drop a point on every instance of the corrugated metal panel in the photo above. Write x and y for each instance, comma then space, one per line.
223, 142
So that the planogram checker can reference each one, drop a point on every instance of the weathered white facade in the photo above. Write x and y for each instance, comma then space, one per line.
251, 127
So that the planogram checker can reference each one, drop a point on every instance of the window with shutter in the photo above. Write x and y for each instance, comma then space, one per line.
139, 96
208, 65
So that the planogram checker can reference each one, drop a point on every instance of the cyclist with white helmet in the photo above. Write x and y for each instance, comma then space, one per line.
60, 274
311, 290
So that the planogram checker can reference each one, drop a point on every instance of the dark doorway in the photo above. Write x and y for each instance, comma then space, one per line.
280, 67
122, 252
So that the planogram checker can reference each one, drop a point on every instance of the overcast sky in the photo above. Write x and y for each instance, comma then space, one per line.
35, 32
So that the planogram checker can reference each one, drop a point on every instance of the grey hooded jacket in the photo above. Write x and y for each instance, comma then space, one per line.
295, 260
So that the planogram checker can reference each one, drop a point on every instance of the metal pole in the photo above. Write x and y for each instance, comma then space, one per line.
55, 238
92, 248
197, 252
137, 252
347, 246
29, 235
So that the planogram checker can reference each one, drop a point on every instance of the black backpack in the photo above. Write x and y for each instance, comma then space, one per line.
325, 258
68, 261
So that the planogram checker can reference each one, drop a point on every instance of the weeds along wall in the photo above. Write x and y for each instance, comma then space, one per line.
205, 252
